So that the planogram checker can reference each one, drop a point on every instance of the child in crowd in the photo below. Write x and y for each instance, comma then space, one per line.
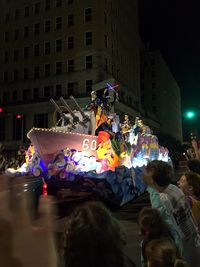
189, 183
163, 253
152, 226
172, 204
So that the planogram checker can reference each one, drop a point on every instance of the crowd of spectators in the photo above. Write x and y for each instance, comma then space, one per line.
11, 159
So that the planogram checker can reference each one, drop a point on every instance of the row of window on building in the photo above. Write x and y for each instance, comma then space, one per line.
47, 49
36, 71
47, 26
36, 9
45, 92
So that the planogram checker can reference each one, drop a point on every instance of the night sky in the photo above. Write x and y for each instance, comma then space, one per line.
173, 26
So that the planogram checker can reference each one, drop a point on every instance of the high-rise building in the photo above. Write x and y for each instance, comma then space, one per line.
160, 93
53, 48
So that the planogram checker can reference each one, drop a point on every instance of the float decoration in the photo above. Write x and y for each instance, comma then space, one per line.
92, 146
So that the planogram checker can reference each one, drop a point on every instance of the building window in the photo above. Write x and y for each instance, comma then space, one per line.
154, 109
153, 85
26, 31
88, 62
70, 20
47, 48
88, 14
153, 96
6, 57
18, 128
16, 55
106, 41
47, 26
58, 23
5, 76
26, 52
26, 11
47, 5
88, 38
26, 95
70, 65
106, 64
36, 72
70, 42
7, 17
6, 36
15, 75
41, 120
58, 3
36, 50
36, 28
152, 62
6, 97
142, 98
70, 88
16, 34
105, 17
58, 90
153, 74
2, 129
142, 86
16, 16
47, 91
58, 67
47, 70
142, 75
35, 93
37, 8
59, 45
88, 85
26, 73
70, 2
15, 96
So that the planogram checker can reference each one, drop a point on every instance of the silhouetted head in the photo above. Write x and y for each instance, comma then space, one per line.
93, 238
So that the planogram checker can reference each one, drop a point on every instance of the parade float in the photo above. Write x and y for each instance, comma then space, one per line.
92, 149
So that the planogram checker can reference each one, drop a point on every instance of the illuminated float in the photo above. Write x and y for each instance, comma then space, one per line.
92, 146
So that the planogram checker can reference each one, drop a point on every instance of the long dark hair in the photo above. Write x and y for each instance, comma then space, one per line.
93, 238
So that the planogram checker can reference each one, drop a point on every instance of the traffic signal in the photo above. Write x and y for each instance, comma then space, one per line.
1, 110
18, 116
190, 114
